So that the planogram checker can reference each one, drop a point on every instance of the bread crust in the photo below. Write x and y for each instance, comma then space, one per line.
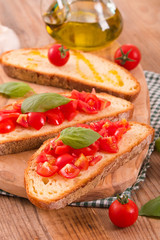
24, 143
64, 80
81, 189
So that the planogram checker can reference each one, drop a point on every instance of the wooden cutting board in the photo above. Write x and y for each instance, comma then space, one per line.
12, 166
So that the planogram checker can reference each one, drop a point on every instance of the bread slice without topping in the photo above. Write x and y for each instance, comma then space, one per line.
56, 191
82, 71
22, 139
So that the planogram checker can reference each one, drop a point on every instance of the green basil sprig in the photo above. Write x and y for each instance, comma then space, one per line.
78, 137
151, 208
15, 89
43, 102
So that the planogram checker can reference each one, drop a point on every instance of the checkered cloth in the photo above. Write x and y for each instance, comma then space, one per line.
153, 81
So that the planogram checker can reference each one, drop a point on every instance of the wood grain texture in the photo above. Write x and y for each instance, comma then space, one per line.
114, 182
18, 218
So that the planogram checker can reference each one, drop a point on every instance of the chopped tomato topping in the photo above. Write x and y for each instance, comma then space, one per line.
22, 120
7, 125
94, 160
54, 116
36, 119
42, 158
109, 144
45, 169
62, 160
82, 162
69, 171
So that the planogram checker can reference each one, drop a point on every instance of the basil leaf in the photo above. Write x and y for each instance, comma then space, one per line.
15, 89
78, 137
43, 102
151, 208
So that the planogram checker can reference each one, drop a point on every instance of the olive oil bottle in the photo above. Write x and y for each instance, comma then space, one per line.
84, 25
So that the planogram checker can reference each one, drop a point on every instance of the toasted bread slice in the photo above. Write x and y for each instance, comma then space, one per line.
82, 71
22, 139
56, 191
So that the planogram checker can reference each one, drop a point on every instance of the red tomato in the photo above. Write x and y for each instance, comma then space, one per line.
36, 120
58, 55
54, 116
42, 158
17, 106
108, 144
59, 150
123, 213
62, 160
7, 125
119, 133
69, 110
85, 107
93, 160
82, 162
22, 120
46, 169
69, 171
87, 151
7, 115
127, 56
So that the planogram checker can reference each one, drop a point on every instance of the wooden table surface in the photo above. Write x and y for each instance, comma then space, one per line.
19, 219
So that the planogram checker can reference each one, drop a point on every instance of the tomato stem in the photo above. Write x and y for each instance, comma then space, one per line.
63, 51
124, 58
123, 199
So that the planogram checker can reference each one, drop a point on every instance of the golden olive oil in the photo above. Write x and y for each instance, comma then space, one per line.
85, 25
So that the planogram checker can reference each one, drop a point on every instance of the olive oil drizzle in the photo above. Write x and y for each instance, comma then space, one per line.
80, 56
117, 81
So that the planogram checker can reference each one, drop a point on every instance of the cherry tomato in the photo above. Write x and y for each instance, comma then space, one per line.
45, 169
123, 212
54, 116
62, 160
69, 171
127, 56
7, 125
58, 55
82, 162
36, 120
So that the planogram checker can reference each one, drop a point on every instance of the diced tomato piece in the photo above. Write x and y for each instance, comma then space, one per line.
69, 171
59, 150
108, 144
41, 158
87, 151
69, 110
46, 169
78, 95
7, 125
119, 133
54, 116
94, 160
50, 148
82, 162
36, 120
22, 120
13, 116
62, 160
85, 107
17, 106
97, 126
104, 104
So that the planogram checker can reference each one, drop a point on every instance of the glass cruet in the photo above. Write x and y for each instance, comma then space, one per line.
82, 24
